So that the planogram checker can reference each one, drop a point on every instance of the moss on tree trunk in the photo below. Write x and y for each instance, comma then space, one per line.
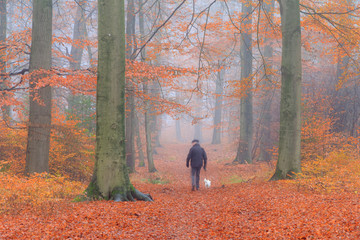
111, 178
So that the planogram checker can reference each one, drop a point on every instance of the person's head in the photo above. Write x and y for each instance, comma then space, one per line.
195, 141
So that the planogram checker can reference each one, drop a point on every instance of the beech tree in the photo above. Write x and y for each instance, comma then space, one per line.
130, 118
3, 26
246, 112
111, 179
216, 138
290, 104
149, 146
265, 121
38, 143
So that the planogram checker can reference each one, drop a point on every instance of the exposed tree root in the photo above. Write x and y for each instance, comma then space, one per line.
132, 196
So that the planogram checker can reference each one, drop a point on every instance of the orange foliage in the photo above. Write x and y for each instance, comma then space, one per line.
243, 209
71, 149
19, 192
12, 148
71, 153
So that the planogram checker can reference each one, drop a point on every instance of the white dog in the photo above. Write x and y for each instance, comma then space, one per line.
207, 183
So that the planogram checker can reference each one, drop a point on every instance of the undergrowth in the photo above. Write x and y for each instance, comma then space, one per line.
19, 191
339, 171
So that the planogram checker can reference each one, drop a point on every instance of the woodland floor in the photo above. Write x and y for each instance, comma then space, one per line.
239, 205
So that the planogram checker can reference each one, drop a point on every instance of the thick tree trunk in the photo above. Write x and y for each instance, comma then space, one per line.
216, 139
246, 113
38, 145
290, 105
111, 179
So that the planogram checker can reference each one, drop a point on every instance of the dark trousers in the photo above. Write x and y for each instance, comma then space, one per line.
195, 177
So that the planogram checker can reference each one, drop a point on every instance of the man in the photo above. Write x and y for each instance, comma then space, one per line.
197, 155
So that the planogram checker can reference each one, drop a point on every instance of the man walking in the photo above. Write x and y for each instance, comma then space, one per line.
197, 156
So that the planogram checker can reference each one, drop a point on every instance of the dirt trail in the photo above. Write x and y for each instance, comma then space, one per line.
250, 210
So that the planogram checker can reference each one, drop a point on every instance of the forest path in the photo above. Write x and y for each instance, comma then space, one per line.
230, 209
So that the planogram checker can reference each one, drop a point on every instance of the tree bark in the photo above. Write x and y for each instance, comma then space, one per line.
149, 151
288, 162
130, 118
79, 35
216, 139
3, 26
38, 144
265, 122
178, 130
198, 131
76, 53
246, 113
111, 179
178, 123
139, 143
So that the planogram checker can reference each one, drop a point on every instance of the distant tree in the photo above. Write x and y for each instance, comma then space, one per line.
265, 121
139, 143
149, 145
130, 101
246, 112
3, 27
216, 139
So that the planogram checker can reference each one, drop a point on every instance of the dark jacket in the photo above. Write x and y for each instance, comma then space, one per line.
197, 155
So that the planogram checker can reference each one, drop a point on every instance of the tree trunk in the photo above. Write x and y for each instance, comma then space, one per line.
130, 134
111, 179
156, 117
130, 118
216, 139
198, 125
3, 49
38, 144
178, 130
178, 123
139, 143
198, 131
151, 166
157, 130
265, 121
290, 104
149, 151
340, 105
79, 35
246, 114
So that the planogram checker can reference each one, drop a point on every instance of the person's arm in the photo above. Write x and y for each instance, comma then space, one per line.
188, 158
205, 159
